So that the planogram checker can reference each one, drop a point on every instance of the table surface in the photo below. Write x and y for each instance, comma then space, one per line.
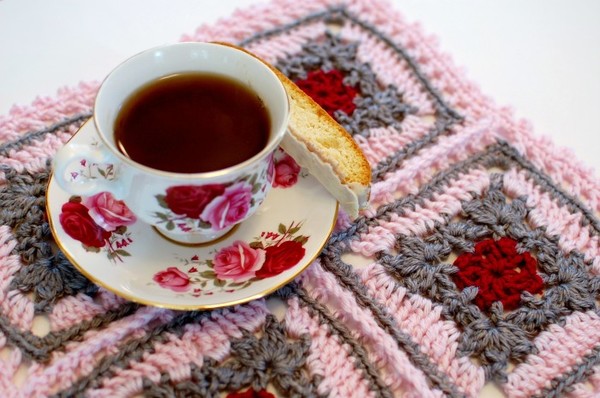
540, 56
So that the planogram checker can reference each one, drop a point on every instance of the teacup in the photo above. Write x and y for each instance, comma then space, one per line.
186, 207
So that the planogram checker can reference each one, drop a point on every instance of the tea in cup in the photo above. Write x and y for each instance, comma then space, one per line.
188, 132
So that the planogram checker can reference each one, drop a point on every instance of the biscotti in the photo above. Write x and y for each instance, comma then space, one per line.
322, 146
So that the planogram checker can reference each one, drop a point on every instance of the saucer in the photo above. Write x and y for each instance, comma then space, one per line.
260, 255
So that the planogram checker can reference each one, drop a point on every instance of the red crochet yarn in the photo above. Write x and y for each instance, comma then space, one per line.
329, 90
499, 272
251, 393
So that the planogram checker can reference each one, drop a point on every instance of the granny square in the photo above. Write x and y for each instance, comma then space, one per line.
476, 262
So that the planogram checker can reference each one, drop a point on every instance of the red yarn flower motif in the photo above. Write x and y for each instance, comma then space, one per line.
250, 393
499, 272
329, 91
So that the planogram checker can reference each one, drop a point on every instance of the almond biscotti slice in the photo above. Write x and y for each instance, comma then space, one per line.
319, 144
322, 146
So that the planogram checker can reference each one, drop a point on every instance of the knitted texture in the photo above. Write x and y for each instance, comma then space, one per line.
477, 260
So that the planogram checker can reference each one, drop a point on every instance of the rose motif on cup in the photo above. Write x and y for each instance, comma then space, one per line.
271, 165
100, 223
79, 225
229, 208
238, 265
238, 262
218, 206
190, 208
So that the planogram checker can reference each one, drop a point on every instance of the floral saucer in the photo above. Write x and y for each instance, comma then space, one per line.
136, 262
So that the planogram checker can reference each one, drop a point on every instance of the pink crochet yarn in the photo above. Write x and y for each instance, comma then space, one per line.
379, 312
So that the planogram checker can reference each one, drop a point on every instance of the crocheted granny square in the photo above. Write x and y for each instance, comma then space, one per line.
477, 261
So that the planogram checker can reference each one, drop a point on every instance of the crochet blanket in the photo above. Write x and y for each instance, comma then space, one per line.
477, 262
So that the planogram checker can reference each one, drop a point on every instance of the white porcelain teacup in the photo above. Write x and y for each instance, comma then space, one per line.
185, 207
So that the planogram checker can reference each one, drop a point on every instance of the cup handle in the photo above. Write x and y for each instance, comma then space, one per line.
87, 170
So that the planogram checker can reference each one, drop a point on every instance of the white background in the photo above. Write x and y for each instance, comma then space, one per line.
540, 56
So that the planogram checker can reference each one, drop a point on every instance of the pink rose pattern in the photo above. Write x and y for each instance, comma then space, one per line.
229, 208
108, 212
190, 200
172, 278
286, 172
271, 167
238, 265
238, 262
99, 223
219, 206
